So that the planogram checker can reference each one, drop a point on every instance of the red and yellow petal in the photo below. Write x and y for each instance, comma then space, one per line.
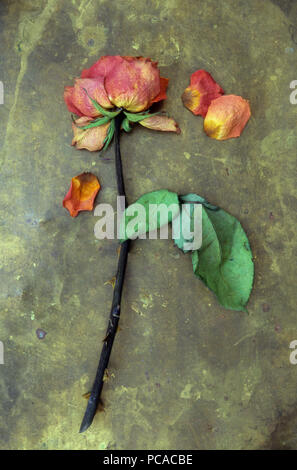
95, 90
90, 139
163, 87
160, 123
102, 67
82, 193
68, 98
133, 83
227, 117
202, 91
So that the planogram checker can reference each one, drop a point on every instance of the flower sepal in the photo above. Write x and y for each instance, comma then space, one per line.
95, 123
103, 111
110, 134
137, 117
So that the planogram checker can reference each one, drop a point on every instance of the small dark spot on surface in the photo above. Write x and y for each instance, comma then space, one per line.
246, 211
91, 42
265, 307
278, 328
227, 172
271, 216
158, 385
226, 398
40, 333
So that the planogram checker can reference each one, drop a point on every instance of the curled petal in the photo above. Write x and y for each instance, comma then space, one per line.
160, 123
90, 139
163, 87
103, 66
81, 195
133, 83
68, 98
202, 91
227, 117
95, 90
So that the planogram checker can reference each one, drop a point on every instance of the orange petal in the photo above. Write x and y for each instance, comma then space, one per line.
90, 139
133, 83
160, 123
227, 117
202, 90
81, 195
163, 87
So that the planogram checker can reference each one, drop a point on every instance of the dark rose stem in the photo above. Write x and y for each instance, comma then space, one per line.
116, 302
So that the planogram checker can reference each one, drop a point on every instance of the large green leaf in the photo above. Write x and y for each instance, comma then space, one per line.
224, 261
188, 201
154, 216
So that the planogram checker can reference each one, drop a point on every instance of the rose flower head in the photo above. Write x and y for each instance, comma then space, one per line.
112, 85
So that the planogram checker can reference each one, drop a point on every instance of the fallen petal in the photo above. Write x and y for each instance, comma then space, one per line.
160, 123
227, 117
202, 91
82, 193
90, 139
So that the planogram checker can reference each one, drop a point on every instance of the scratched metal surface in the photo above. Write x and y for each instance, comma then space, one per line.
184, 372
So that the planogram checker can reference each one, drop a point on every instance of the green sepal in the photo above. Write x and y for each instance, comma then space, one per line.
110, 134
96, 123
126, 125
136, 117
110, 114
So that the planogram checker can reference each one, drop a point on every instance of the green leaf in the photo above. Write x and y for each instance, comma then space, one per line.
224, 261
186, 215
194, 198
136, 117
150, 206
110, 114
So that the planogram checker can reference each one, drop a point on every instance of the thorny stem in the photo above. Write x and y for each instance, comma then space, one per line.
116, 302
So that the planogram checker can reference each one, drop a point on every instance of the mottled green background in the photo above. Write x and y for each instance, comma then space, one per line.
184, 373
